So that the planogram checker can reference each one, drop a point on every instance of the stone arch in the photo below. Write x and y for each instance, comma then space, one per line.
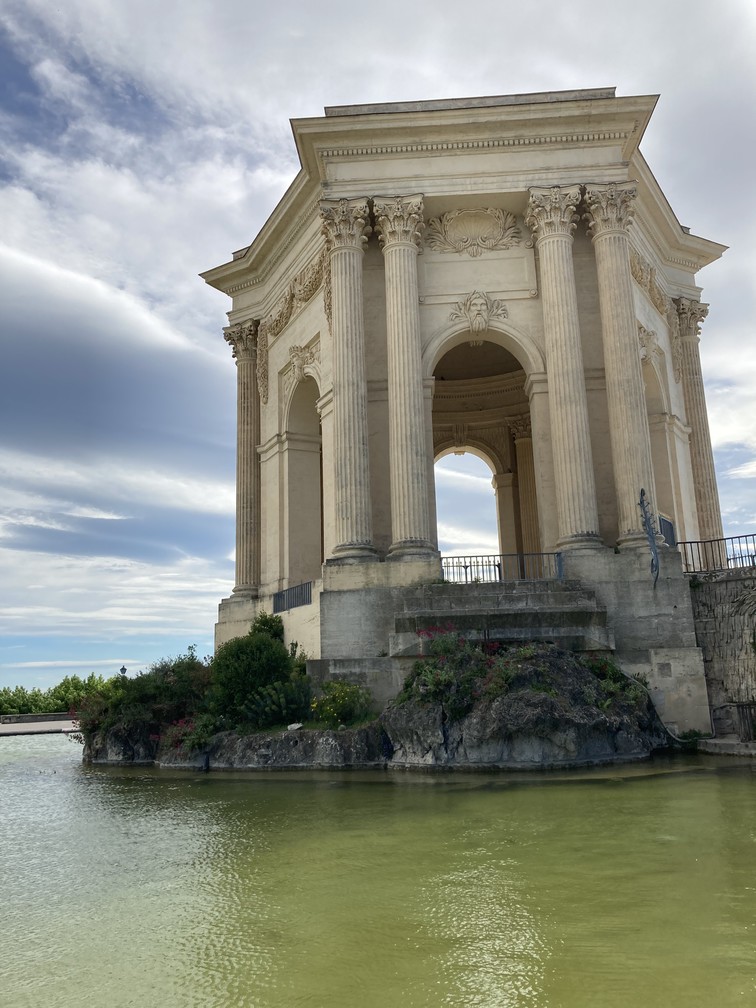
485, 407
519, 344
481, 451
303, 483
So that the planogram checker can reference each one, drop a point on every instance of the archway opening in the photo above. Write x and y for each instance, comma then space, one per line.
303, 469
465, 505
482, 413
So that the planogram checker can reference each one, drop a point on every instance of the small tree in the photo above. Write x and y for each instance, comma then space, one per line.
240, 667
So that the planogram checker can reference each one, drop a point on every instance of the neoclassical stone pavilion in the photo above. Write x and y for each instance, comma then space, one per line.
498, 275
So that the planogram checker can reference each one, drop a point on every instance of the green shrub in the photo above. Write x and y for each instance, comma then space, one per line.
457, 672
341, 703
267, 624
190, 733
240, 667
279, 703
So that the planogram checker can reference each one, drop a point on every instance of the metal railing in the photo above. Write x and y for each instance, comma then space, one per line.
290, 598
503, 567
710, 555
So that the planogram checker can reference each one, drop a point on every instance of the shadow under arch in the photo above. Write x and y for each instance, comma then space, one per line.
518, 343
667, 436
483, 452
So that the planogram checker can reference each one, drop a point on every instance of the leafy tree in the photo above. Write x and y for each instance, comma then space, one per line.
240, 667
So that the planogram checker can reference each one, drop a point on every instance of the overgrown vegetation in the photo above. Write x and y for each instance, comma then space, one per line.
458, 673
252, 682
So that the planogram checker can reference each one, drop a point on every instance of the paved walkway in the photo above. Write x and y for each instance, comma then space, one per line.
727, 745
36, 727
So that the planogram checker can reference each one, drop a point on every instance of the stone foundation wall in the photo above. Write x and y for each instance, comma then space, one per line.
724, 609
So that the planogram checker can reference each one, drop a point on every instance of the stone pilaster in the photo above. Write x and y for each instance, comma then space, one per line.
345, 227
398, 223
523, 439
691, 314
552, 217
242, 339
609, 211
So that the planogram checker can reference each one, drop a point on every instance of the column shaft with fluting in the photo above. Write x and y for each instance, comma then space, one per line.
691, 315
609, 209
552, 216
243, 341
398, 222
346, 229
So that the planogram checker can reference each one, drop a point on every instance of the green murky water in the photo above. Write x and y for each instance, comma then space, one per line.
621, 887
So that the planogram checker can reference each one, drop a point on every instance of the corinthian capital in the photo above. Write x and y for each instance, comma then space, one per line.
242, 338
691, 314
552, 210
520, 425
609, 206
398, 219
345, 223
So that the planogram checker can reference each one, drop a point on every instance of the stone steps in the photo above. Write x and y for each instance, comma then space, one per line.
560, 612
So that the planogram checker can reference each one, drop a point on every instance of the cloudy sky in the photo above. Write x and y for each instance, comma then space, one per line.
144, 140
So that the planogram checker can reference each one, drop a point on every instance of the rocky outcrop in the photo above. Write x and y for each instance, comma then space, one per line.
553, 713
302, 748
521, 732
119, 745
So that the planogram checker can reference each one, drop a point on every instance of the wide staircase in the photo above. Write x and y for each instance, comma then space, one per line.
563, 613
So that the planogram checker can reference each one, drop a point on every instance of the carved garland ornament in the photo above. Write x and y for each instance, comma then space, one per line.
673, 321
644, 275
474, 231
478, 309
649, 343
262, 362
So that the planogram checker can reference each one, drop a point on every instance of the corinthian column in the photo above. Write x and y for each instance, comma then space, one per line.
552, 217
398, 222
691, 315
346, 230
609, 213
243, 341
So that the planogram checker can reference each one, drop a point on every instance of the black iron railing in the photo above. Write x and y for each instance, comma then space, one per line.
503, 567
710, 555
290, 598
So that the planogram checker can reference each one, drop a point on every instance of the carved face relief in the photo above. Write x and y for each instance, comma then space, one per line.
477, 310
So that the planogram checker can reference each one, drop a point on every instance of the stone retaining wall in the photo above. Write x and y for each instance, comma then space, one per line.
724, 608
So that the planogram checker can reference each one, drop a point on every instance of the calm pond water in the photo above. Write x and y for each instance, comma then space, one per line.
618, 887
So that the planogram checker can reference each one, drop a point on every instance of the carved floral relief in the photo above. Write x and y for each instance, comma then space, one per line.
474, 231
